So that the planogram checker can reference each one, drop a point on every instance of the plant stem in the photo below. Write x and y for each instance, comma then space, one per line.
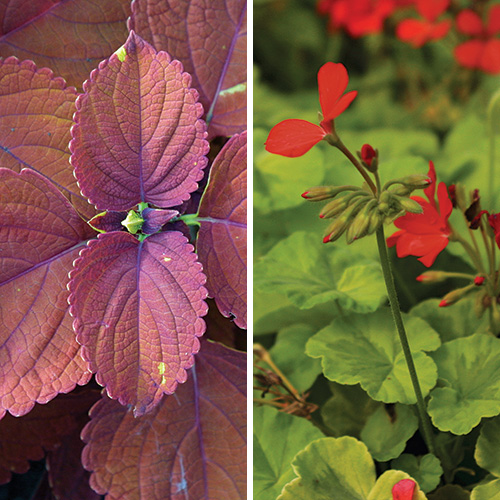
341, 146
398, 320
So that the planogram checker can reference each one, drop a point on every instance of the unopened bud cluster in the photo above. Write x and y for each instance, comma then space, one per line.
358, 212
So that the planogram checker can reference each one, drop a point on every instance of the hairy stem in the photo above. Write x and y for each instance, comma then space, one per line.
398, 320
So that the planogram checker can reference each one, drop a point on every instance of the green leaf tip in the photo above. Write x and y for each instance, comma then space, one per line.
133, 222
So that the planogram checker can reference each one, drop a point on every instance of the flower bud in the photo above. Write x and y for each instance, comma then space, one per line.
409, 205
369, 157
321, 193
340, 204
335, 230
454, 296
414, 181
481, 302
432, 277
479, 280
359, 226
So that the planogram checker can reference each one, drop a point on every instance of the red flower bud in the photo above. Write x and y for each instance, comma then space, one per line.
479, 280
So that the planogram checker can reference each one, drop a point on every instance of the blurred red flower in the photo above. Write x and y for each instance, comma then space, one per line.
357, 17
483, 51
403, 490
494, 221
425, 235
417, 32
295, 137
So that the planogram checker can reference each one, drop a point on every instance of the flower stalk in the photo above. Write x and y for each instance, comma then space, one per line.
425, 423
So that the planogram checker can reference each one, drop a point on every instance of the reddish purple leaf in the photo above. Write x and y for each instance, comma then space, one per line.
192, 445
36, 113
209, 38
155, 219
27, 438
40, 236
67, 476
108, 221
138, 135
222, 239
138, 308
68, 37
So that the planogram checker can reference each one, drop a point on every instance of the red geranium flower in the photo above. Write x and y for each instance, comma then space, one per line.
294, 137
425, 235
482, 52
357, 17
417, 32
494, 221
403, 490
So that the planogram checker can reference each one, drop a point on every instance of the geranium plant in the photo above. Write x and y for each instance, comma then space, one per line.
123, 208
360, 394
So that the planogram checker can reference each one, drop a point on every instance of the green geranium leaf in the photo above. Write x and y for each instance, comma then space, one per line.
278, 437
332, 469
346, 412
279, 181
488, 490
470, 370
386, 433
450, 492
426, 470
288, 353
451, 322
273, 311
365, 349
310, 273
487, 452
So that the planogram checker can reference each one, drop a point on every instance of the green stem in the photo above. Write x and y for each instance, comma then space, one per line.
398, 320
340, 145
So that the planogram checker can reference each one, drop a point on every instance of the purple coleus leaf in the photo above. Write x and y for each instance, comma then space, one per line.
68, 37
138, 307
36, 111
138, 302
222, 238
40, 236
191, 445
209, 38
138, 135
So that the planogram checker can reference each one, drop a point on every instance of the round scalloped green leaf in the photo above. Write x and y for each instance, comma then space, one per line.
426, 470
288, 353
309, 273
489, 490
365, 349
451, 322
450, 492
470, 369
332, 469
278, 437
487, 452
386, 433
383, 488
346, 412
279, 181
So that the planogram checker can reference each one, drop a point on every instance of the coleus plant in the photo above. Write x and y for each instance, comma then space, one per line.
98, 268
426, 380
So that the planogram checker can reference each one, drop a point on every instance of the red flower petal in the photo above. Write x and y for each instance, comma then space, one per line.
490, 60
432, 9
493, 26
469, 54
293, 138
430, 191
343, 103
417, 33
469, 23
445, 204
403, 490
332, 82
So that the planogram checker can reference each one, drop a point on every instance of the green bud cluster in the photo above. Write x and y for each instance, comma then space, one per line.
358, 212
